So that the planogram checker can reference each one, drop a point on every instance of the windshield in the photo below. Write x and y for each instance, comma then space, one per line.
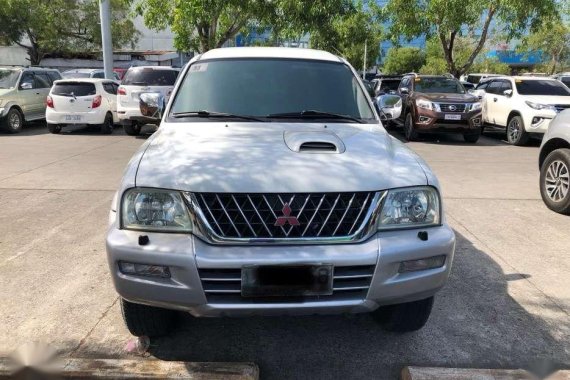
8, 78
73, 89
438, 85
262, 87
565, 80
541, 87
150, 77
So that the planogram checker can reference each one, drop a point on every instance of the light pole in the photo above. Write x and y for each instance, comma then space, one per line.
364, 63
105, 13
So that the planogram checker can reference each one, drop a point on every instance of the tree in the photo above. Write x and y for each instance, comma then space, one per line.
201, 25
449, 19
551, 39
403, 60
43, 27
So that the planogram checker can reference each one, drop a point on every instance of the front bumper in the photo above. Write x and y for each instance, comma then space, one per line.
538, 121
187, 257
433, 121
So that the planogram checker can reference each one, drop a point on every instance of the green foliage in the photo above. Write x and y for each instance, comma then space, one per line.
448, 20
403, 60
43, 27
552, 39
490, 65
348, 32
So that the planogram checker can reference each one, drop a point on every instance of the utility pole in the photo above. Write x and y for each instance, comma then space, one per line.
105, 13
364, 63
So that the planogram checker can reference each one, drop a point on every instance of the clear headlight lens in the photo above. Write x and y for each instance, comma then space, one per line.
423, 103
155, 210
475, 106
538, 106
410, 207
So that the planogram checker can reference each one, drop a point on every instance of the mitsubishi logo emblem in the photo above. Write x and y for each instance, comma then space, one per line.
286, 218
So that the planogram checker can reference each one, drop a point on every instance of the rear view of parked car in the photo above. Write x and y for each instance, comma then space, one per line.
91, 102
138, 80
23, 94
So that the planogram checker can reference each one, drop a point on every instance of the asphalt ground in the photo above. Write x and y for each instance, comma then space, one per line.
507, 304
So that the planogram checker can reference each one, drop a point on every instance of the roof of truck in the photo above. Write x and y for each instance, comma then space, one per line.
269, 52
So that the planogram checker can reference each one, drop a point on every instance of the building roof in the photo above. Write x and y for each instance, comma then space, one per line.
270, 52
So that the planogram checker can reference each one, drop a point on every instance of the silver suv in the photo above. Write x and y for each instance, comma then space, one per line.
23, 93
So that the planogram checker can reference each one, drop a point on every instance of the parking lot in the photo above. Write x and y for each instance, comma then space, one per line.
507, 304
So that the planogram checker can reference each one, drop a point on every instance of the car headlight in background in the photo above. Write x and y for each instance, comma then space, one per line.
425, 104
538, 106
475, 106
410, 207
154, 210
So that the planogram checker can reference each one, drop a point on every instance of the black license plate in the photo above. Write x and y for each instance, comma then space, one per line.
286, 281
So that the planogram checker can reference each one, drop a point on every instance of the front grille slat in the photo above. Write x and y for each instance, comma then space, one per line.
452, 107
285, 216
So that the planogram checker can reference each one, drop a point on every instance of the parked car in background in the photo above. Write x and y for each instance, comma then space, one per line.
475, 78
387, 84
86, 73
23, 92
267, 190
369, 88
563, 77
521, 106
91, 102
438, 103
137, 80
467, 85
554, 164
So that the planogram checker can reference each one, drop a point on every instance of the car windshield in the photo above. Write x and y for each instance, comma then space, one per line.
565, 80
150, 77
541, 87
8, 78
438, 85
390, 84
264, 86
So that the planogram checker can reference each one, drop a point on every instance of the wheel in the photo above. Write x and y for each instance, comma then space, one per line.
555, 181
409, 130
516, 134
107, 126
54, 128
133, 130
142, 320
404, 317
472, 137
14, 121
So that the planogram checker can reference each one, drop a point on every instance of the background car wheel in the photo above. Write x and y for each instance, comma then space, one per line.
54, 128
107, 126
404, 317
133, 130
142, 320
555, 181
409, 130
516, 134
472, 137
14, 121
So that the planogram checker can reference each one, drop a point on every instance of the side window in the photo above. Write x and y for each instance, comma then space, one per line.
494, 87
404, 83
53, 75
27, 81
506, 86
99, 74
483, 86
110, 88
42, 81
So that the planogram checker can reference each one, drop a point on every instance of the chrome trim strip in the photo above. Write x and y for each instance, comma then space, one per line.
227, 215
349, 276
314, 214
351, 288
368, 227
258, 215
243, 216
329, 215
359, 213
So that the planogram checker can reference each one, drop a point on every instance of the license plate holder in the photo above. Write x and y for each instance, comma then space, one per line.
452, 117
287, 280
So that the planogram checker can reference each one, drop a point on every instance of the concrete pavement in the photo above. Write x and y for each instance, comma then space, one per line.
507, 304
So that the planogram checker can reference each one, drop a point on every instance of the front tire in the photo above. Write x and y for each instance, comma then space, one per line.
107, 126
54, 128
409, 131
516, 134
404, 317
554, 181
14, 121
472, 137
133, 129
142, 320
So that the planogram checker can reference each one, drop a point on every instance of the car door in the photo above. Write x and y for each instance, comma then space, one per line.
28, 96
497, 102
489, 100
42, 83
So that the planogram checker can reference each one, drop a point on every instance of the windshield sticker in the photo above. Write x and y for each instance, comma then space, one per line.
199, 67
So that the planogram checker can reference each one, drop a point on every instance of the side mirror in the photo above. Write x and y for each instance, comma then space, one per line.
390, 106
26, 85
508, 93
405, 90
151, 105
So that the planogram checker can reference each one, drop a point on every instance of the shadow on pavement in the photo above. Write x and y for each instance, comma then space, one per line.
475, 323
40, 128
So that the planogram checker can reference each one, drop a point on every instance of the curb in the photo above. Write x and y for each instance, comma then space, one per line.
133, 369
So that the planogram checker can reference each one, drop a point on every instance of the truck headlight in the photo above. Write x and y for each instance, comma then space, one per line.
409, 208
538, 106
423, 103
475, 106
154, 210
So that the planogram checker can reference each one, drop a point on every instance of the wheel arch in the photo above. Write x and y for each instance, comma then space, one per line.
549, 147
513, 114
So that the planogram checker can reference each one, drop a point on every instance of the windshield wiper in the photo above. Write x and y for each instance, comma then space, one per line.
210, 114
314, 114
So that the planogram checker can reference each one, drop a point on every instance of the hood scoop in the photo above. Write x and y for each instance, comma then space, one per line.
313, 142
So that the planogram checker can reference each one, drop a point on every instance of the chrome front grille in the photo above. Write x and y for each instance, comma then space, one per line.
285, 217
452, 107
224, 286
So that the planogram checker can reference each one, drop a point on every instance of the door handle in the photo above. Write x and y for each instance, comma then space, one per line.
494, 99
37, 93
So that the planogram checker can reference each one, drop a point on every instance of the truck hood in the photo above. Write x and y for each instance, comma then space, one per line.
5, 91
459, 98
547, 99
261, 157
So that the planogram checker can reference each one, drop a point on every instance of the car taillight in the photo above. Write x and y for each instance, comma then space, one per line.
122, 91
96, 101
49, 102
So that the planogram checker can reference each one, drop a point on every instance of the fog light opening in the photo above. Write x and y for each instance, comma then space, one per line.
144, 270
424, 119
422, 264
536, 121
477, 122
